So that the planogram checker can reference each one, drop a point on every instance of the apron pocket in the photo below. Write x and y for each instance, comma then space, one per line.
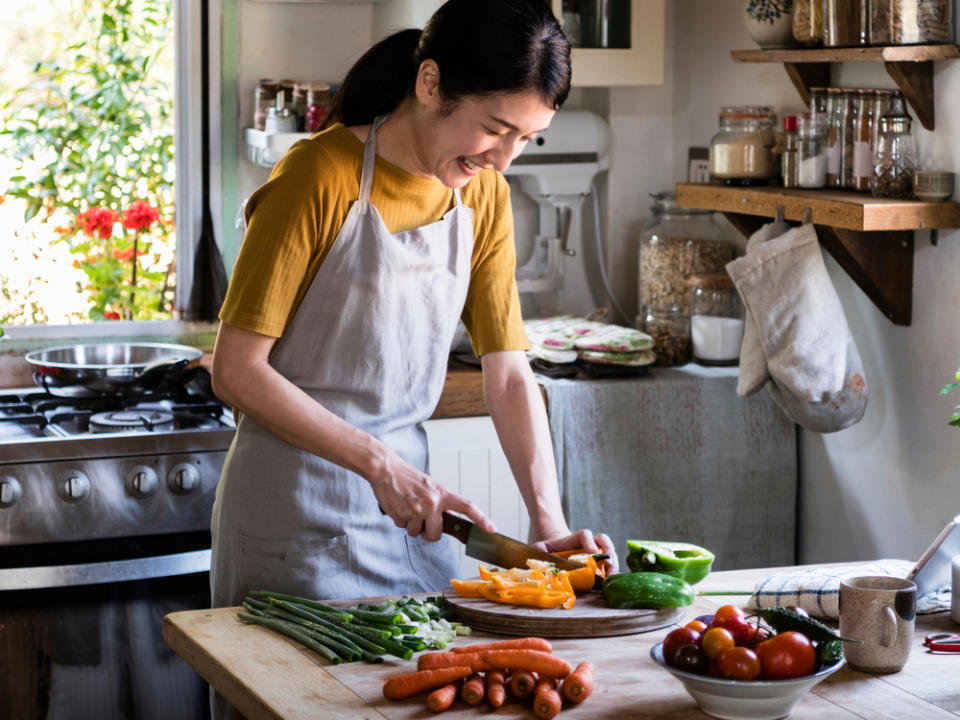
433, 563
311, 566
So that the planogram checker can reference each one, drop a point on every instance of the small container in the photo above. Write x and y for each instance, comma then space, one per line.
808, 22
833, 143
318, 99
862, 135
933, 186
894, 162
280, 119
848, 109
678, 243
881, 103
741, 153
716, 319
670, 329
264, 98
845, 23
788, 158
909, 22
811, 152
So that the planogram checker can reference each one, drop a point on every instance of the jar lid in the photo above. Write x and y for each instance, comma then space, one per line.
666, 203
710, 281
790, 123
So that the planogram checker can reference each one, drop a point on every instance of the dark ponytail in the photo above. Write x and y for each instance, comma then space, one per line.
481, 47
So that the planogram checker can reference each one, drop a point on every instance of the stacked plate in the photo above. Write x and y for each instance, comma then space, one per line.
595, 346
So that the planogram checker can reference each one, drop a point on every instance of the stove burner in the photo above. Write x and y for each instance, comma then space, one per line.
133, 419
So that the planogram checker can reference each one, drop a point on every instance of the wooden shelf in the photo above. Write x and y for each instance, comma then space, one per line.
910, 66
870, 238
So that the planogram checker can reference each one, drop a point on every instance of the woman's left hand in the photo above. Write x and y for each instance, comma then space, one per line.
593, 543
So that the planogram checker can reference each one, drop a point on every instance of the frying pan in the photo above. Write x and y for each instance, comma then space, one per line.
111, 368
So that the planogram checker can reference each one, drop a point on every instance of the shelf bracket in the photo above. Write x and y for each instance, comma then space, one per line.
807, 75
915, 80
880, 262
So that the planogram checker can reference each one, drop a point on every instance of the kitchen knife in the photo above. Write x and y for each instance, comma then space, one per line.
497, 549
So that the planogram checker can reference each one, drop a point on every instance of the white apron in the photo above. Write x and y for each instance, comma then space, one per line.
370, 343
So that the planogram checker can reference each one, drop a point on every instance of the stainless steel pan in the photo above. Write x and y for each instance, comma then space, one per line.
108, 368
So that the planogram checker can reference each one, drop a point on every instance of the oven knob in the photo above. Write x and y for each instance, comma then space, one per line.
74, 486
9, 491
142, 481
183, 479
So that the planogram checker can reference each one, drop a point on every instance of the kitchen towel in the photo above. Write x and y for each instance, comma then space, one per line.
817, 589
815, 369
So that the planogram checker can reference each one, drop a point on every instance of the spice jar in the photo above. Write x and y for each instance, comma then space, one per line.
788, 158
670, 329
905, 22
895, 160
679, 242
848, 110
808, 21
716, 319
834, 131
844, 23
741, 153
811, 152
318, 105
264, 98
862, 134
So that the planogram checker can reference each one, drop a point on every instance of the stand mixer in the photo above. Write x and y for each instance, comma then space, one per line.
556, 174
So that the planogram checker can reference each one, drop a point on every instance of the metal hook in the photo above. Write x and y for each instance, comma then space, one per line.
807, 215
779, 213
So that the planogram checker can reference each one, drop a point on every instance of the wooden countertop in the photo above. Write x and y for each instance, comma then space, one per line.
268, 677
462, 392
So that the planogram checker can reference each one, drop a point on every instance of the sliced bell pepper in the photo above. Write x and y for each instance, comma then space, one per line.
584, 578
468, 588
688, 562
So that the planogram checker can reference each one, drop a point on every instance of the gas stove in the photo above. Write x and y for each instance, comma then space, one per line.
109, 466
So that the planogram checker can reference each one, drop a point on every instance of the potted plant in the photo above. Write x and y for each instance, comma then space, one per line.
955, 418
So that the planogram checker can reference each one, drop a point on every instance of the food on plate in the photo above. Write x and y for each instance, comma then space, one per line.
735, 648
578, 685
538, 585
686, 561
646, 590
585, 578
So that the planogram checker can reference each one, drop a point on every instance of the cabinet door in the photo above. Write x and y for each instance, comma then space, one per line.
635, 55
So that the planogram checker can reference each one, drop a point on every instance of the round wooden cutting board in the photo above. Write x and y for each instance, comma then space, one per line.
589, 617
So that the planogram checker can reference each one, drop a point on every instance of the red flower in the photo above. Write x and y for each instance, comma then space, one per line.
123, 255
139, 215
98, 221
111, 315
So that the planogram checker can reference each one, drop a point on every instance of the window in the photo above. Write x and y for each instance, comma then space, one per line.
102, 141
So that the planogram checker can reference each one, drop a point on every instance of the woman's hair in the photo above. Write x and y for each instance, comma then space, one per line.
480, 46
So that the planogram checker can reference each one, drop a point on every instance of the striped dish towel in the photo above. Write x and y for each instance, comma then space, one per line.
817, 590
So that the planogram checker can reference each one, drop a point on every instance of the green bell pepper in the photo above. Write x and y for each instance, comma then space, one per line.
683, 560
646, 590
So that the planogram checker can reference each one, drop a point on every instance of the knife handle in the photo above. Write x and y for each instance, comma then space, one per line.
458, 527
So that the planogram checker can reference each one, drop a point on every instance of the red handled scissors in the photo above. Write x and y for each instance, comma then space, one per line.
943, 642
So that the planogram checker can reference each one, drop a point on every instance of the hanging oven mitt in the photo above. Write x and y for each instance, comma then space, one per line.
815, 368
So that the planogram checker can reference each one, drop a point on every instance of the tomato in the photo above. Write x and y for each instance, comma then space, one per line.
697, 625
739, 663
756, 635
736, 626
691, 659
727, 611
675, 639
716, 641
787, 655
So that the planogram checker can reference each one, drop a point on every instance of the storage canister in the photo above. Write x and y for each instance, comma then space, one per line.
788, 158
845, 23
895, 159
716, 319
808, 21
670, 329
811, 152
833, 143
862, 135
741, 153
907, 22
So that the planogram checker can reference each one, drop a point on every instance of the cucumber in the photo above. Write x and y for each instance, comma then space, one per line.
646, 590
830, 652
783, 619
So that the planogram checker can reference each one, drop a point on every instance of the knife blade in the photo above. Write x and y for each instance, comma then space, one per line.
497, 549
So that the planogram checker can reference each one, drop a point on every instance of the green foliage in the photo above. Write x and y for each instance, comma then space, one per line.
955, 418
93, 129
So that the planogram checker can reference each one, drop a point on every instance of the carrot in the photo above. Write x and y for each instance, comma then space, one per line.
527, 643
473, 690
522, 683
536, 661
431, 660
442, 698
546, 700
578, 685
496, 688
406, 685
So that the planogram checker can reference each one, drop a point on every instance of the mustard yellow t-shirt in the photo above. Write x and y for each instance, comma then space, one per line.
294, 218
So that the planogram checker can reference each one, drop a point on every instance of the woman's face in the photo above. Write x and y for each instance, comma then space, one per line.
481, 132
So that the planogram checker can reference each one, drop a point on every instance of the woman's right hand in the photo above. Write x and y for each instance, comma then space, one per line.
415, 501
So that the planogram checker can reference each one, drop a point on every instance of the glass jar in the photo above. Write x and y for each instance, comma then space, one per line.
811, 152
318, 106
788, 158
808, 21
680, 242
907, 22
845, 23
895, 159
670, 329
741, 153
832, 142
848, 111
881, 103
716, 319
862, 134
264, 98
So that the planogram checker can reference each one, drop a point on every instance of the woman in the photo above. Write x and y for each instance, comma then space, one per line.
367, 244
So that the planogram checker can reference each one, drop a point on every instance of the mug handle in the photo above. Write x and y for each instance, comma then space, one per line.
889, 632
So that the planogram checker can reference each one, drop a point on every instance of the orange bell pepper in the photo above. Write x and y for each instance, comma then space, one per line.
582, 579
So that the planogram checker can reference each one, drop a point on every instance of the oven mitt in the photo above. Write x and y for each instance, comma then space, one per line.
753, 373
815, 368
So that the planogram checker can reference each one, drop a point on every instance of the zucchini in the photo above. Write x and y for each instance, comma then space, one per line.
646, 590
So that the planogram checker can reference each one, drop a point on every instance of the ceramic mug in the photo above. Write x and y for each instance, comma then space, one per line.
955, 590
879, 612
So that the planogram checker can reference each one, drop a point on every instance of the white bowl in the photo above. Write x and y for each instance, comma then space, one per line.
741, 699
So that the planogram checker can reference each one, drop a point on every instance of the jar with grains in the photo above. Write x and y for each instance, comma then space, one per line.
808, 21
844, 23
811, 153
905, 22
895, 159
741, 153
847, 129
716, 319
832, 142
670, 329
678, 243
881, 103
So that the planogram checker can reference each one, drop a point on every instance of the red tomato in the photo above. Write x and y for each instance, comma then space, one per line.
697, 625
756, 635
727, 611
787, 655
676, 639
739, 663
736, 625
715, 641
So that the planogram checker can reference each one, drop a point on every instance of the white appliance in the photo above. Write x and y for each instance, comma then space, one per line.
550, 182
